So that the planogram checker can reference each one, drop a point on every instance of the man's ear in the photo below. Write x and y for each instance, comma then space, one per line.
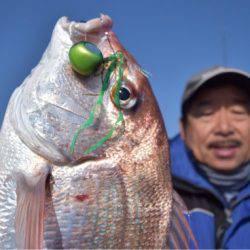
182, 130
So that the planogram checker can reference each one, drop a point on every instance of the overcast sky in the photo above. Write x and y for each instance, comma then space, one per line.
172, 40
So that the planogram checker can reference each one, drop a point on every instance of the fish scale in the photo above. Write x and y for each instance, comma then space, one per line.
13, 154
77, 220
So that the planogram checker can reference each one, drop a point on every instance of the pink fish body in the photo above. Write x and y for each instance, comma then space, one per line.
118, 196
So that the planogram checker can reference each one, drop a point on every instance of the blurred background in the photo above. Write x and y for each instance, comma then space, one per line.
171, 39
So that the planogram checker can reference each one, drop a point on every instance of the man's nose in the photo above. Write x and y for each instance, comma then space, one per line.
223, 125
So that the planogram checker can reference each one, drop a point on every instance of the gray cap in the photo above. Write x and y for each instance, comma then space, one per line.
216, 74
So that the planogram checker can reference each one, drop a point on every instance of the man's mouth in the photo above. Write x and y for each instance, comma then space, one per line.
225, 149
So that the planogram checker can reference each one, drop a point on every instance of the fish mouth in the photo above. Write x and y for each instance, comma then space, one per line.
96, 31
96, 25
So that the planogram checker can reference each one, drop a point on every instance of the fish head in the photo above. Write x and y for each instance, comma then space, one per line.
139, 107
58, 101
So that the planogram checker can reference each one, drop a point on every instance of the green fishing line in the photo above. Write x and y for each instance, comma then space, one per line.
117, 61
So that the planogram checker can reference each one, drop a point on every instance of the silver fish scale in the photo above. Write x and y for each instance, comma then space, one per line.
66, 90
15, 158
85, 224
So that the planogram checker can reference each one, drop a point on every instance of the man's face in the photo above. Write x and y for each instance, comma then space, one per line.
217, 129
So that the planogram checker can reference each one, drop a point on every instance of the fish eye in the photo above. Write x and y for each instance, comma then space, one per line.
126, 95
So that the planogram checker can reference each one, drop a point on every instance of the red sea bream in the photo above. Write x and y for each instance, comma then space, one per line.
117, 196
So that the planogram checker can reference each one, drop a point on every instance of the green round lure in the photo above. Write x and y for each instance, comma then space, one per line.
85, 58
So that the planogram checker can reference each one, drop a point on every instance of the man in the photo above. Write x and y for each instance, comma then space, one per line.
210, 157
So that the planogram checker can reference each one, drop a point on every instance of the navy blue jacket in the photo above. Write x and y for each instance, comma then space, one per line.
216, 223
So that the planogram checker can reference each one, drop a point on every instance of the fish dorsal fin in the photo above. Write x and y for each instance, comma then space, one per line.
181, 235
29, 217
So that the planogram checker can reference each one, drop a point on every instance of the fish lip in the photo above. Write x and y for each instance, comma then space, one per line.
217, 144
104, 22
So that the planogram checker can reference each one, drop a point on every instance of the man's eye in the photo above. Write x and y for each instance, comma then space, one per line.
206, 112
202, 112
239, 110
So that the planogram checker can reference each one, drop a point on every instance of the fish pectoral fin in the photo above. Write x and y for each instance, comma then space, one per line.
29, 218
181, 235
